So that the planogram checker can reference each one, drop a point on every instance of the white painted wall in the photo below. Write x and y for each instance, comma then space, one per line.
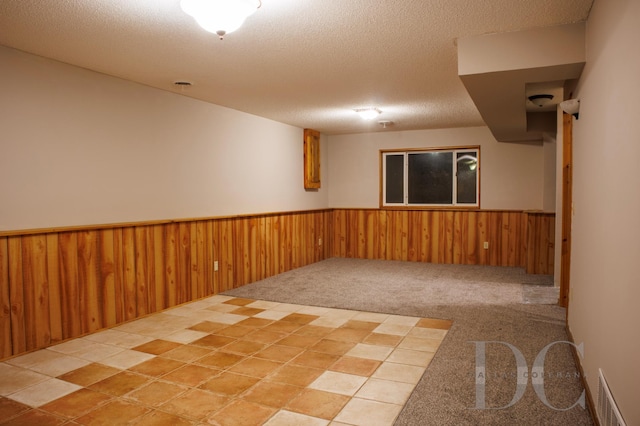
82, 148
605, 282
512, 174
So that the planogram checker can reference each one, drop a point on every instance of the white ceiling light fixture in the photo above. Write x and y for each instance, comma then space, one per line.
541, 100
368, 113
220, 17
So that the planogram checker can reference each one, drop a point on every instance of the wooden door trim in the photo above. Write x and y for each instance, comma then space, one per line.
567, 208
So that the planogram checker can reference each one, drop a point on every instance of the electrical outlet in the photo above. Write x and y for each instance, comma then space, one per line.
486, 245
215, 265
319, 241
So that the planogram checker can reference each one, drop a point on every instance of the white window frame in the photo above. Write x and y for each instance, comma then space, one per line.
405, 196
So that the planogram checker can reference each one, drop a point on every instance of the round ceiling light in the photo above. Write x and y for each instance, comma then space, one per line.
541, 100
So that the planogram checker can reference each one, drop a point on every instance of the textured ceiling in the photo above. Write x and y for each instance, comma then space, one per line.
307, 63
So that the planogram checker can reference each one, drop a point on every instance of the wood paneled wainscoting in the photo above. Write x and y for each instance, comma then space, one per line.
59, 284
63, 283
513, 238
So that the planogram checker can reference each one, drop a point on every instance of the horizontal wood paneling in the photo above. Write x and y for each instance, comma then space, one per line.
515, 238
64, 284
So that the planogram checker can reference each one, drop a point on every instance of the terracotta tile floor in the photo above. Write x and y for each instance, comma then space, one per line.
227, 361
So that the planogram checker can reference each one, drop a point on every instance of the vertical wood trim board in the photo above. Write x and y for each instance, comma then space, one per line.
60, 285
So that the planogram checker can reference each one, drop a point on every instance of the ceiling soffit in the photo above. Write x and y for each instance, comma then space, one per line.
500, 70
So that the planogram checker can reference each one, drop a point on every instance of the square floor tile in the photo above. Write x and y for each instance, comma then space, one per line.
77, 403
314, 310
402, 320
221, 308
127, 359
89, 374
241, 413
159, 418
220, 360
44, 392
363, 412
399, 372
262, 304
185, 336
417, 344
115, 412
314, 330
32, 359
375, 352
247, 311
317, 403
120, 384
288, 307
272, 315
315, 359
118, 338
227, 318
255, 367
289, 418
187, 353
208, 327
333, 322
244, 347
10, 409
385, 391
299, 341
371, 317
264, 336
156, 393
410, 357
195, 404
296, 375
255, 322
299, 318
394, 329
428, 333
333, 347
86, 349
17, 378
283, 327
238, 301
213, 341
358, 366
37, 417
236, 331
156, 347
434, 323
157, 367
273, 394
191, 375
340, 383
279, 353
229, 384
345, 334
383, 339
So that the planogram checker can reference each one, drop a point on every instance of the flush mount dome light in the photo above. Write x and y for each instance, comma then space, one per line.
368, 113
540, 100
220, 17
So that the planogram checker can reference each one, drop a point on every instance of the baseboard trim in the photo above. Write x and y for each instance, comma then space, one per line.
591, 406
